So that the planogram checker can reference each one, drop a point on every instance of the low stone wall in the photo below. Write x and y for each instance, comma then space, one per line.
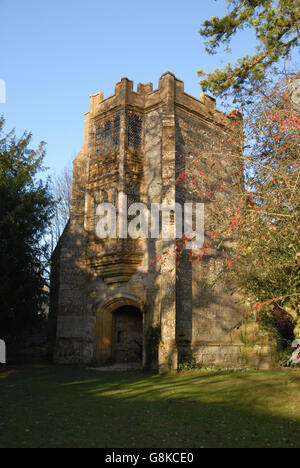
73, 351
228, 356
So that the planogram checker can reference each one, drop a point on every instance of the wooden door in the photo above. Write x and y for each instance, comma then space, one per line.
104, 337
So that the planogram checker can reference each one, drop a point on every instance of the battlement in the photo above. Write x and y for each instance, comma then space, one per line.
169, 96
170, 89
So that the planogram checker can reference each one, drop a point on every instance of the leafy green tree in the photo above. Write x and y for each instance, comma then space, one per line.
25, 210
277, 29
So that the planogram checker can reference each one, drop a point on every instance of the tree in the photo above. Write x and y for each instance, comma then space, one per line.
61, 190
266, 261
267, 258
25, 209
277, 29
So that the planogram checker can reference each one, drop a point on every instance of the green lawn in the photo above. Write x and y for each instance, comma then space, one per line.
52, 406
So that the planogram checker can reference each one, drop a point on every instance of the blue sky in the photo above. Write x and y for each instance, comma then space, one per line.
55, 54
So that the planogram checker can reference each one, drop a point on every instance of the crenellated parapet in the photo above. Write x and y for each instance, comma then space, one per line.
145, 98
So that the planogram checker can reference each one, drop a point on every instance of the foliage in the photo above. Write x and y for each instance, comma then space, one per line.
187, 365
25, 210
281, 349
267, 255
265, 220
276, 26
266, 260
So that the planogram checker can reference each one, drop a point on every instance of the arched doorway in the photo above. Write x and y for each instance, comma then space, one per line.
118, 331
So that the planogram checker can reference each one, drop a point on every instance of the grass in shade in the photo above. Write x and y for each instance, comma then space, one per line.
66, 406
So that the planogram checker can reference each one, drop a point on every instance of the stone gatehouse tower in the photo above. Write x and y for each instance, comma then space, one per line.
109, 295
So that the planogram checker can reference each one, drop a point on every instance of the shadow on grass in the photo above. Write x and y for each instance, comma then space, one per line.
51, 406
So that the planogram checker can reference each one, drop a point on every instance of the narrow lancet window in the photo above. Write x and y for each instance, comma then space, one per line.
116, 134
98, 140
107, 136
134, 132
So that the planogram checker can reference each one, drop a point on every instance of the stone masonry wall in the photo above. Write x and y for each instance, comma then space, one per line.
205, 311
93, 278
